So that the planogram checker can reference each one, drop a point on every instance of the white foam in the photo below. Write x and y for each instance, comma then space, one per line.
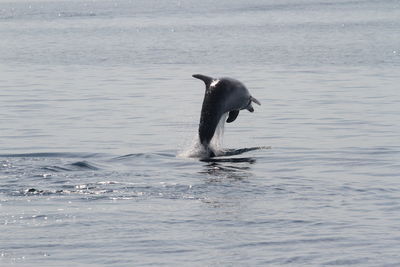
217, 141
193, 150
196, 150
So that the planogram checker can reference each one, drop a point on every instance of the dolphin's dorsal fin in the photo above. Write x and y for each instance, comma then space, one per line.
207, 80
232, 116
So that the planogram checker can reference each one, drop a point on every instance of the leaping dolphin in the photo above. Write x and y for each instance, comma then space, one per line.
221, 96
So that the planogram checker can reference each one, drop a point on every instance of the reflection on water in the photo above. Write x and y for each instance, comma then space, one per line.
216, 160
226, 169
230, 168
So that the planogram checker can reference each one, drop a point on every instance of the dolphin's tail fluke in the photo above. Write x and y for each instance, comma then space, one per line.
207, 80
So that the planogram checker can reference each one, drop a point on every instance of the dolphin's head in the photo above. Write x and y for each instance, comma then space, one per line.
238, 97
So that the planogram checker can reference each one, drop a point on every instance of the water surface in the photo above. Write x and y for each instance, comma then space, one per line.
97, 104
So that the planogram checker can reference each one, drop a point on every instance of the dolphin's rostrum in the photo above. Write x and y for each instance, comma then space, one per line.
221, 96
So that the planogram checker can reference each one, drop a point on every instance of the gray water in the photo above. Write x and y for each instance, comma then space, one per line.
98, 108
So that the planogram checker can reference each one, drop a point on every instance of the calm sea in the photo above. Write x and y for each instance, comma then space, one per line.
98, 106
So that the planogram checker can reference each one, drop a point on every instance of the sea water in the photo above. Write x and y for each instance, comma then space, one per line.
97, 102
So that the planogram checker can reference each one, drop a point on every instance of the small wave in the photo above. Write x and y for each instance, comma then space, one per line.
75, 166
144, 155
113, 190
34, 191
82, 189
84, 165
55, 169
76, 14
132, 155
50, 155
107, 182
294, 241
347, 262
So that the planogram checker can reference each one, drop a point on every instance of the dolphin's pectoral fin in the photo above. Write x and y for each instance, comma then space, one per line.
207, 80
232, 116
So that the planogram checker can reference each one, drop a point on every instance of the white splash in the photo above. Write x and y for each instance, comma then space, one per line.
196, 150
216, 143
193, 150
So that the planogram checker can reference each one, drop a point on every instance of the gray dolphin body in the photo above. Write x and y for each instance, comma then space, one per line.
222, 95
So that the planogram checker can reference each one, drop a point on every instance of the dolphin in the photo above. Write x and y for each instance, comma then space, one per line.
221, 96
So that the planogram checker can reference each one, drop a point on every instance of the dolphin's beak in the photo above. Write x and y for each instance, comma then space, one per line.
255, 101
